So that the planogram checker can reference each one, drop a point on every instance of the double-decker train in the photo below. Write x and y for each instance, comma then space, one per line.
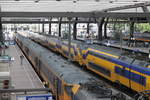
67, 81
132, 73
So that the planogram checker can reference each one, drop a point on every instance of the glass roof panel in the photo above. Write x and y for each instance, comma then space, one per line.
64, 5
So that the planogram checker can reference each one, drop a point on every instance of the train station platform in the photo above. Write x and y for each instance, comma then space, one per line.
125, 47
23, 76
144, 50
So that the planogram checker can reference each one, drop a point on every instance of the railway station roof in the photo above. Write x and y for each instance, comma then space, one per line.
67, 5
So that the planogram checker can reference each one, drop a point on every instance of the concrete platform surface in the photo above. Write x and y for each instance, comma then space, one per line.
23, 76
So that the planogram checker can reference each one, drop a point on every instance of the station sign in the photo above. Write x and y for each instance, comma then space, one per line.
36, 97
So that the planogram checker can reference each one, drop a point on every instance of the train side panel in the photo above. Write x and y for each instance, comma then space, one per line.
115, 71
106, 65
62, 90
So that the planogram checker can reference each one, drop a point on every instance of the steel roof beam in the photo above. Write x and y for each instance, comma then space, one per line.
64, 22
46, 22
45, 14
75, 14
128, 6
145, 10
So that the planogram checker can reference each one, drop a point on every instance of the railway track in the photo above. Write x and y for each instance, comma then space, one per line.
124, 92
98, 88
64, 44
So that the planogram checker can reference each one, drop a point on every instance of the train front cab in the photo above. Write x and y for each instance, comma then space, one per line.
75, 52
61, 90
52, 45
96, 63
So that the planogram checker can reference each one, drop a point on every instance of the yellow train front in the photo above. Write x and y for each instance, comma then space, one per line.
132, 73
76, 53
60, 46
67, 81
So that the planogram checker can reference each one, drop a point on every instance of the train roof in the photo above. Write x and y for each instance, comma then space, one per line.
72, 74
109, 50
67, 71
84, 45
81, 44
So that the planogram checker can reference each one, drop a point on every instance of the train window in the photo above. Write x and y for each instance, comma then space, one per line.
68, 89
85, 55
27, 50
36, 61
47, 73
21, 44
120, 71
143, 80
130, 75
50, 76
99, 55
100, 69
59, 86
138, 78
40, 63
65, 52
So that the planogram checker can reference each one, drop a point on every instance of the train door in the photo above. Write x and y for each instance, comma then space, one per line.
39, 67
138, 81
37, 64
58, 86
117, 71
122, 75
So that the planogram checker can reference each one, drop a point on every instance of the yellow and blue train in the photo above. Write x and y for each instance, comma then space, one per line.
66, 81
130, 72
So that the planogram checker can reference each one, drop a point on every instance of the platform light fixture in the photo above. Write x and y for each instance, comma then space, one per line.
111, 1
97, 0
36, 1
135, 0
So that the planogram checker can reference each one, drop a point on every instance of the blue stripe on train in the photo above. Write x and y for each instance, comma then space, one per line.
130, 75
119, 62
